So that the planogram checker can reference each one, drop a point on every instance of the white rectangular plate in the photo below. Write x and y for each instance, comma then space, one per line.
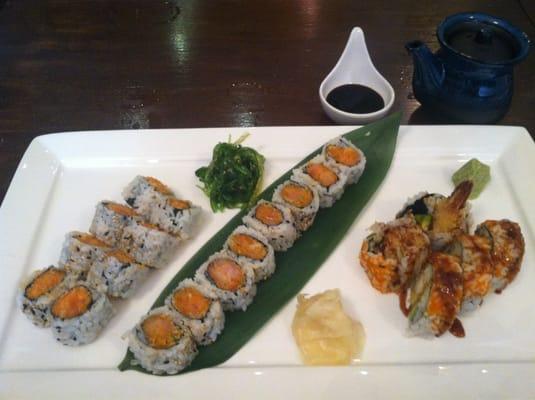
62, 177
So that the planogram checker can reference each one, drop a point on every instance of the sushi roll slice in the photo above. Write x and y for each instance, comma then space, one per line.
507, 250
228, 280
474, 254
109, 221
275, 222
346, 157
161, 343
324, 177
301, 199
251, 247
39, 291
201, 313
443, 218
79, 314
117, 274
148, 244
144, 193
80, 251
435, 296
393, 253
175, 216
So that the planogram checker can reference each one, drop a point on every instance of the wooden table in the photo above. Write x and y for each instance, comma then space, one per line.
116, 64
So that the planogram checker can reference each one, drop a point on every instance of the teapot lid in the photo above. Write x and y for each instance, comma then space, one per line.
483, 38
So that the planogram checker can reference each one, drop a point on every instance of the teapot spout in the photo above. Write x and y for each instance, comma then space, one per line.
428, 69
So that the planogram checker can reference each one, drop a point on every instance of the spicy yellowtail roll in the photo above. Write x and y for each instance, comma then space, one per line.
435, 296
301, 199
39, 291
200, 311
346, 157
161, 343
229, 280
109, 221
507, 250
117, 274
79, 314
275, 222
144, 193
175, 216
393, 253
253, 248
326, 179
80, 251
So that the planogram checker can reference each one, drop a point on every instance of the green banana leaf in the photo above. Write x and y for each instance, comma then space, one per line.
297, 265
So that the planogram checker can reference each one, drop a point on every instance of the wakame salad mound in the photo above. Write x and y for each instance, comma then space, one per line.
234, 176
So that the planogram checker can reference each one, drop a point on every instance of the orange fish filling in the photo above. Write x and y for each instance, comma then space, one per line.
248, 246
297, 195
191, 303
226, 274
179, 204
158, 186
160, 331
72, 303
44, 283
121, 209
321, 174
90, 240
120, 255
344, 155
268, 214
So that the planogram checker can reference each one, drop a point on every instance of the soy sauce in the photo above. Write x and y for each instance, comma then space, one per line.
356, 99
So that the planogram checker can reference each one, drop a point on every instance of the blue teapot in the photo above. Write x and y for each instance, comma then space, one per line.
470, 78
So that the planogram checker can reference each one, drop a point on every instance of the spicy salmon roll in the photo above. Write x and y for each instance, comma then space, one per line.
148, 244
253, 248
200, 311
229, 280
393, 253
79, 314
346, 157
117, 274
302, 200
144, 193
507, 250
274, 221
175, 216
328, 181
161, 343
109, 221
80, 251
39, 291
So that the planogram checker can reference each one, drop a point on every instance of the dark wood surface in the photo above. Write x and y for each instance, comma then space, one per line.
86, 65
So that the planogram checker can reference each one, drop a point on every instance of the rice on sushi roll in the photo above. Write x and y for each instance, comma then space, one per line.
274, 221
507, 250
80, 251
109, 221
301, 199
148, 244
144, 193
39, 291
175, 216
79, 314
346, 157
200, 311
161, 343
328, 181
253, 248
229, 280
117, 274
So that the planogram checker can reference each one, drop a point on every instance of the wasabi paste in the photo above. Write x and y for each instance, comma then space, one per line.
474, 171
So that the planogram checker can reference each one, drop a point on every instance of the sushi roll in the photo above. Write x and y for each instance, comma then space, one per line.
275, 222
393, 253
443, 218
474, 254
175, 216
324, 177
301, 199
346, 157
161, 343
144, 193
228, 280
201, 313
79, 314
148, 244
117, 274
507, 250
251, 247
109, 221
435, 296
80, 251
39, 291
